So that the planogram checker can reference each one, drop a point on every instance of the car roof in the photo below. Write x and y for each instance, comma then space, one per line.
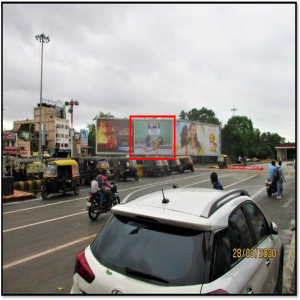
196, 208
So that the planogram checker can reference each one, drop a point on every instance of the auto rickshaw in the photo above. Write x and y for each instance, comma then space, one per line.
153, 168
222, 161
104, 166
35, 170
175, 166
20, 168
186, 163
60, 176
166, 167
123, 167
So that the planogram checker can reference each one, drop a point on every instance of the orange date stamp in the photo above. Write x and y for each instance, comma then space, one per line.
254, 253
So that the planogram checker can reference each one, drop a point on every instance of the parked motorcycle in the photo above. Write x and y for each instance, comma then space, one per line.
92, 206
271, 187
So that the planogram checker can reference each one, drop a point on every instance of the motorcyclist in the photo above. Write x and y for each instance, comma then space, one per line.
102, 182
96, 192
272, 170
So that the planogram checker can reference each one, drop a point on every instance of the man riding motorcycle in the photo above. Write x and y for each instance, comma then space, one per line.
97, 194
102, 182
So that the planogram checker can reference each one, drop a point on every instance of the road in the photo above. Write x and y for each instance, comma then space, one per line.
41, 238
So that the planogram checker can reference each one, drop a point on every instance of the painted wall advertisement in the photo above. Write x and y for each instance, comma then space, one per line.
153, 137
112, 135
197, 139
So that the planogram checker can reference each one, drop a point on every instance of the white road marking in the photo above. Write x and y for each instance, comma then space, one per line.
263, 189
206, 180
42, 222
46, 252
239, 181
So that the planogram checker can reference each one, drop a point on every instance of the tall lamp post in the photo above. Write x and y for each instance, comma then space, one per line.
71, 104
234, 110
42, 39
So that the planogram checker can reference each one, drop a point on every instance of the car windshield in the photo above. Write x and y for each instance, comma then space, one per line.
169, 255
50, 170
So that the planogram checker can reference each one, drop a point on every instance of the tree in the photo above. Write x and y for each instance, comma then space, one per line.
268, 142
202, 115
92, 130
239, 138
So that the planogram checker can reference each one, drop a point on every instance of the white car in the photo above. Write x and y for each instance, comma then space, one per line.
170, 240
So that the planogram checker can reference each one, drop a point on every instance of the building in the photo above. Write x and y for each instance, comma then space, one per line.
286, 151
53, 115
9, 143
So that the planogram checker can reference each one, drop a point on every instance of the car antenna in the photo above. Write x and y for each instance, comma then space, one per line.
164, 200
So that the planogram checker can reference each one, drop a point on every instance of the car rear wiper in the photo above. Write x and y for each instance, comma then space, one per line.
144, 274
136, 230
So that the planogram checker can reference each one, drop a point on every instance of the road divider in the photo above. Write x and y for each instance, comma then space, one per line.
245, 168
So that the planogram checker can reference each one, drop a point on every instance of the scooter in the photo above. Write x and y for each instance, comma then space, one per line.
92, 206
271, 187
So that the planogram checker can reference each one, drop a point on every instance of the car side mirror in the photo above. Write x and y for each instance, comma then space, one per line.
274, 228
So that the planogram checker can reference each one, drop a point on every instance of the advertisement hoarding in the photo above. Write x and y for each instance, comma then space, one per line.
197, 139
153, 136
112, 136
83, 138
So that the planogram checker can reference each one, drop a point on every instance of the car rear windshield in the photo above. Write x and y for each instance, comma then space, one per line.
151, 252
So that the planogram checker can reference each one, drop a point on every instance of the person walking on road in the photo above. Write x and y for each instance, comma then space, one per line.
279, 182
215, 182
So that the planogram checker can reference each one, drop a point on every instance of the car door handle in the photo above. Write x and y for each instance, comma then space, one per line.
268, 262
250, 290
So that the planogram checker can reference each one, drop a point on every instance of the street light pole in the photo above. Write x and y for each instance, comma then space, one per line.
71, 104
234, 110
42, 39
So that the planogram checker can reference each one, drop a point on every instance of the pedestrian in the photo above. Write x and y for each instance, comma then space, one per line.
272, 170
239, 159
279, 182
215, 182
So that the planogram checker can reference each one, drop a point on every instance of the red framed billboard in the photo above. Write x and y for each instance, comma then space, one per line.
153, 138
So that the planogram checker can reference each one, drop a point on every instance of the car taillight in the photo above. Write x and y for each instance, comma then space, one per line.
90, 195
217, 292
83, 268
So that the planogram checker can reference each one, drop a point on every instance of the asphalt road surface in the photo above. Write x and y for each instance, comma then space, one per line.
41, 238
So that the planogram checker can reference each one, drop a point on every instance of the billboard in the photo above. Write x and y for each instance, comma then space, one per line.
112, 136
197, 139
153, 137
83, 138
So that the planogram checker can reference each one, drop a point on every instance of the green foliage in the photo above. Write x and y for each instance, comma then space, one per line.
202, 115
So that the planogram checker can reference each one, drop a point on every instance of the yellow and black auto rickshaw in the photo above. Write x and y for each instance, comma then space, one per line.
123, 167
166, 167
222, 161
175, 166
186, 163
153, 168
60, 176
35, 170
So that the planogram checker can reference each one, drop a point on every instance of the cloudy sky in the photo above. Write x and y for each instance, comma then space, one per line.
136, 59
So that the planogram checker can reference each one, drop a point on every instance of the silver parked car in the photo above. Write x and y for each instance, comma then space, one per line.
171, 240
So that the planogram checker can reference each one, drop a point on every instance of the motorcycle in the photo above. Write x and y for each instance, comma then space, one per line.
271, 187
92, 206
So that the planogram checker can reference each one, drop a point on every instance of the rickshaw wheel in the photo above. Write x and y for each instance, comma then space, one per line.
44, 195
76, 190
136, 177
82, 180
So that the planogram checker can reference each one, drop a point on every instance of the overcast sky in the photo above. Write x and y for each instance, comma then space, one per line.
136, 59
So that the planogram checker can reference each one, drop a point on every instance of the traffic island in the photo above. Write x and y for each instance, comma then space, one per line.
18, 195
